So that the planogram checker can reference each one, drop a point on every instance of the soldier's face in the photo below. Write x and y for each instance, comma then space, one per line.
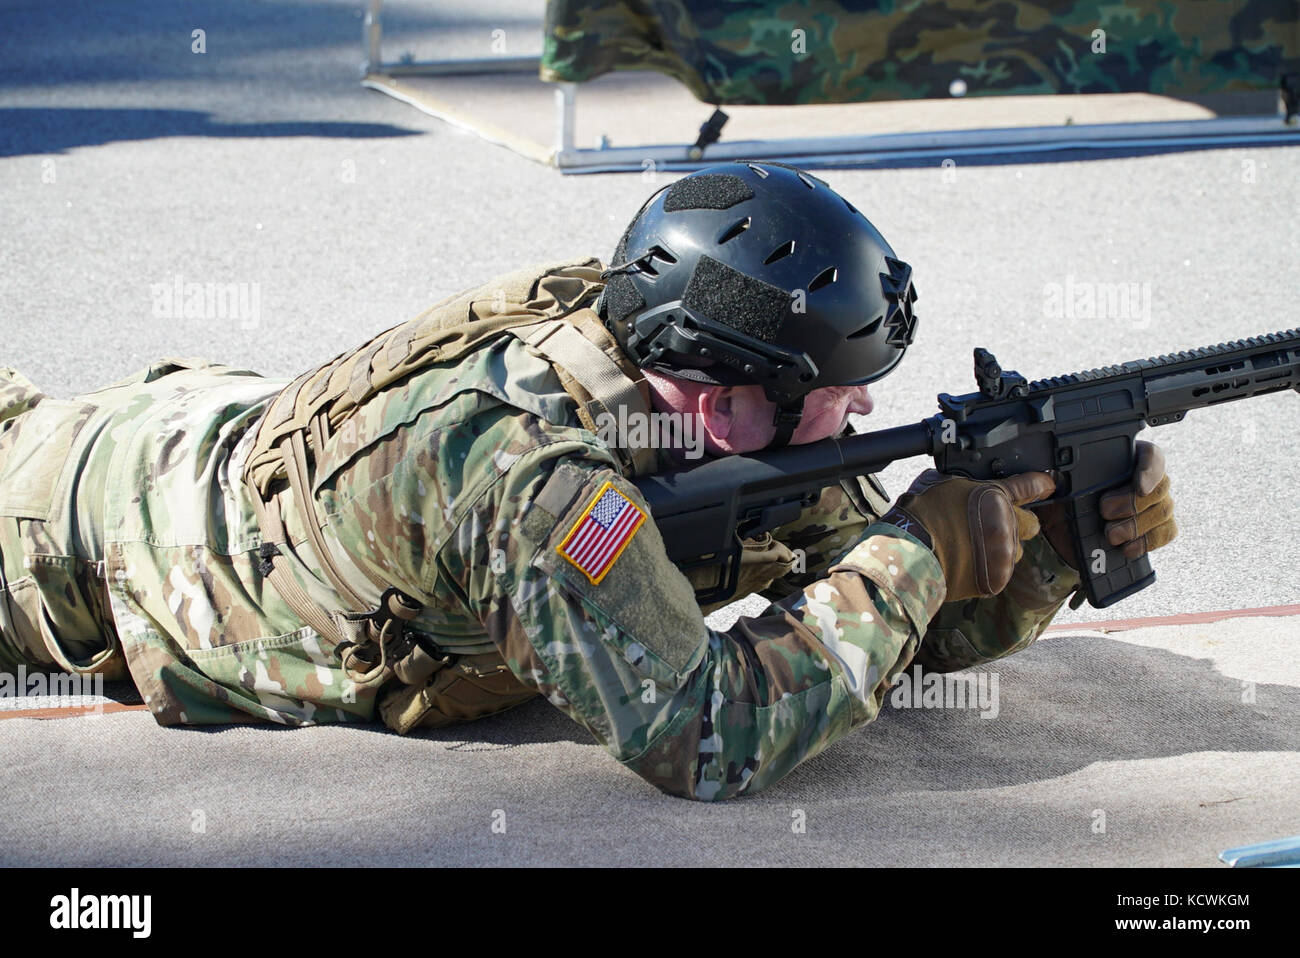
735, 419
825, 411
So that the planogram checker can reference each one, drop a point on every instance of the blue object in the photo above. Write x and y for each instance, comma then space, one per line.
1281, 853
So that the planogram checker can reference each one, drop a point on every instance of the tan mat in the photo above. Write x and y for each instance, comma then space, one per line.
633, 109
100, 706
1157, 747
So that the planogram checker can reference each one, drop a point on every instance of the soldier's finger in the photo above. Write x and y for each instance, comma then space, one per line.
1135, 548
926, 479
1126, 501
1126, 530
1149, 468
1028, 487
1160, 536
1027, 527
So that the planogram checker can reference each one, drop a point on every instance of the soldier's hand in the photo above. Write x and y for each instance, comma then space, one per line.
1139, 514
976, 528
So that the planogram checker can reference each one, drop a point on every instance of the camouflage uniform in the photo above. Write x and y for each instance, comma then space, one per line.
840, 51
456, 484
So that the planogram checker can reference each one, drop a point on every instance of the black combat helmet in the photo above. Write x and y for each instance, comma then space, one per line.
759, 273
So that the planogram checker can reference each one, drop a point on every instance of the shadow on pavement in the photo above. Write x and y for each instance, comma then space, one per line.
534, 723
1064, 704
25, 131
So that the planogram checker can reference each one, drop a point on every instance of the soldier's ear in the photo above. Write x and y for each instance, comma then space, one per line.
717, 409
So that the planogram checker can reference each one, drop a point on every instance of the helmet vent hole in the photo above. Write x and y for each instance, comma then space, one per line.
824, 278
807, 181
758, 169
781, 252
866, 330
852, 209
658, 252
734, 230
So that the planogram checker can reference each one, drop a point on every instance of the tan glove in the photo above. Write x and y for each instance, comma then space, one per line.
1140, 513
976, 528
762, 562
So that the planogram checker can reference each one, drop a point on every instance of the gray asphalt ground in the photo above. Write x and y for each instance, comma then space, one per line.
126, 161
1160, 747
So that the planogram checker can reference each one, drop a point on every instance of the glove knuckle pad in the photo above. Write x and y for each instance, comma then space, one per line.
993, 537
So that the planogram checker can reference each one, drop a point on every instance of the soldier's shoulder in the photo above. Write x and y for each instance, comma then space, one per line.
520, 285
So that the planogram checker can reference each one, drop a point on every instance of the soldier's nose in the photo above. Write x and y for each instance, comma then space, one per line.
861, 403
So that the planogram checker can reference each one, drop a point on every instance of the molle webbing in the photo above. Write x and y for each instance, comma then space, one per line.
443, 333
545, 308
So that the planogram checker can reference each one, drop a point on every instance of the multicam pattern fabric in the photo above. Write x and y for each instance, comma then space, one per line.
843, 51
458, 484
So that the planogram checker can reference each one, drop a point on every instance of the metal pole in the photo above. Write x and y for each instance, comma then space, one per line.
827, 151
463, 67
565, 97
372, 35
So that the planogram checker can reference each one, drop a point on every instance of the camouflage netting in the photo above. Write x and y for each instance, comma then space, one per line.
841, 51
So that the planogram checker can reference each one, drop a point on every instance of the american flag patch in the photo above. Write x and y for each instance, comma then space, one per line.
601, 533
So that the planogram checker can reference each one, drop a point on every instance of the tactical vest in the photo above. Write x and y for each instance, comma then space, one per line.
547, 308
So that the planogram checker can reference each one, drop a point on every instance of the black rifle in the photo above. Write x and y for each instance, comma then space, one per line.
1082, 425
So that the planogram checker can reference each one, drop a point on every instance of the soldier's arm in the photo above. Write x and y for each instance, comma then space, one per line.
794, 555
826, 531
963, 634
967, 633
699, 713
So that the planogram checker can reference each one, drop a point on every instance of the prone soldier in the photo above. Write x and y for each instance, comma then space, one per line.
433, 527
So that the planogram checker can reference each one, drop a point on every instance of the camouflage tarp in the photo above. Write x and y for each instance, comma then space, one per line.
839, 51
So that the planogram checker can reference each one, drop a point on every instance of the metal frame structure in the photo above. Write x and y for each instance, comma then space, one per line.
857, 150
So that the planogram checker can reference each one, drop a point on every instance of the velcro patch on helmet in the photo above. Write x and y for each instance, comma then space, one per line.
728, 296
601, 533
711, 191
622, 298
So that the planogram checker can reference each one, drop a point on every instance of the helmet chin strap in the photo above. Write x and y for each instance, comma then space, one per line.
786, 421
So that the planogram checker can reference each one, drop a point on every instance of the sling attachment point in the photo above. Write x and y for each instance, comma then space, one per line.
395, 604
381, 633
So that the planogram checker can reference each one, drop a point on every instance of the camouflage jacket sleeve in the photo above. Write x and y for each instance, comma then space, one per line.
962, 634
968, 633
825, 531
626, 653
